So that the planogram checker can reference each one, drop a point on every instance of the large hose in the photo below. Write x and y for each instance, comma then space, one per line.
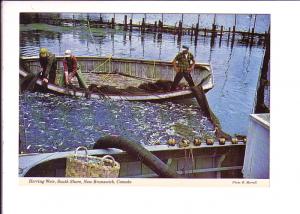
28, 82
137, 150
203, 103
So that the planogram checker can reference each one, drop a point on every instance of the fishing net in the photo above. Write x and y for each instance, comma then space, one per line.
160, 86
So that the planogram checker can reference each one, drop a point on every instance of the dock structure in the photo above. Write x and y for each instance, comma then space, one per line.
248, 37
262, 101
257, 153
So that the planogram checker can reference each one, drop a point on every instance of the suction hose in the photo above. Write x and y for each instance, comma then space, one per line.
137, 150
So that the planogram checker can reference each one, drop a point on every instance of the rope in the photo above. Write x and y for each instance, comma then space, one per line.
91, 34
153, 71
109, 58
185, 162
191, 155
95, 69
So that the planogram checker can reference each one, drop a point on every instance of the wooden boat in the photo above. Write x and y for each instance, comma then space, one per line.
126, 75
204, 161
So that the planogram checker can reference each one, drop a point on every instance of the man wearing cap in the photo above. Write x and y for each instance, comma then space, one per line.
72, 69
49, 65
183, 65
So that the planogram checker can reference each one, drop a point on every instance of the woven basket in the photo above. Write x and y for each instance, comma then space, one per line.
87, 166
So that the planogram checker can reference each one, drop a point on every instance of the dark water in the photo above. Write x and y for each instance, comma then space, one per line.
56, 123
235, 65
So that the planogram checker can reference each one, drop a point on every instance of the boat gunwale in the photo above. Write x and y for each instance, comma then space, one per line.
116, 59
182, 94
45, 157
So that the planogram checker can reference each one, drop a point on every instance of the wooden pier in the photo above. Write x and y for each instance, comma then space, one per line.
249, 37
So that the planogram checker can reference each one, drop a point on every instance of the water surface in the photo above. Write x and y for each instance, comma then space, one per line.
235, 66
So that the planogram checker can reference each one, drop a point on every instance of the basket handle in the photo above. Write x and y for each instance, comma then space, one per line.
110, 158
84, 148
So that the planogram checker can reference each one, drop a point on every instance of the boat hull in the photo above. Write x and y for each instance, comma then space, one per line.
89, 64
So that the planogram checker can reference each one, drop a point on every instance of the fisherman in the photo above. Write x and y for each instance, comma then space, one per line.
72, 69
183, 63
49, 65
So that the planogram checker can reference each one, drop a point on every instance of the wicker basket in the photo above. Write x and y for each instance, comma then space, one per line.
87, 166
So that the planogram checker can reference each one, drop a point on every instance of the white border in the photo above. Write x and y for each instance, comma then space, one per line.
285, 90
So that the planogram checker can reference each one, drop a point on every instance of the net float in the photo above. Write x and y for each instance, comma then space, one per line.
222, 141
234, 140
209, 141
184, 143
171, 142
197, 142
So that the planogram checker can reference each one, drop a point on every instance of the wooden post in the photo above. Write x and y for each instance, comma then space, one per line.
204, 31
215, 19
228, 34
155, 26
125, 22
221, 33
252, 36
192, 31
130, 25
101, 19
143, 25
267, 36
197, 30
260, 107
112, 22
234, 19
160, 25
233, 36
213, 30
180, 28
